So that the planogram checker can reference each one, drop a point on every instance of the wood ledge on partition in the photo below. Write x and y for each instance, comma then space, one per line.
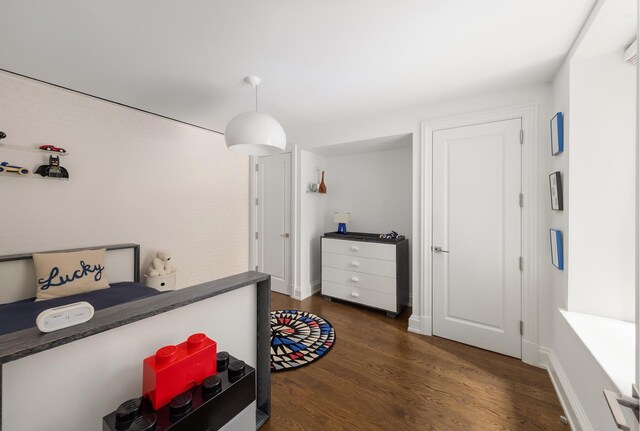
27, 342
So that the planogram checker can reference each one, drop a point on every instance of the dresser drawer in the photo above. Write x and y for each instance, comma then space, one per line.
385, 268
358, 248
361, 296
359, 279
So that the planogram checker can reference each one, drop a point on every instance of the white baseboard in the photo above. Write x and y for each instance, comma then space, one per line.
414, 324
420, 324
297, 293
301, 293
530, 353
315, 287
575, 414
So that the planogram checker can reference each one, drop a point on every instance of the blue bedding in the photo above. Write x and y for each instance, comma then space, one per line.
19, 315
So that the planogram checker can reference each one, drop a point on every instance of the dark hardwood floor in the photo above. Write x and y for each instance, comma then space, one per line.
378, 376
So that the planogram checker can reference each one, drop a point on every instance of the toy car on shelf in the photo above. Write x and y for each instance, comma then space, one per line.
52, 148
5, 167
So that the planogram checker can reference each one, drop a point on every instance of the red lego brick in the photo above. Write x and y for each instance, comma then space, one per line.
175, 369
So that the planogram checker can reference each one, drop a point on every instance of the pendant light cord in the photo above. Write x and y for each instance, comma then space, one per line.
256, 98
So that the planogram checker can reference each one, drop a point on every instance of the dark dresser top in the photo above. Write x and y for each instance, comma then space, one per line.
365, 237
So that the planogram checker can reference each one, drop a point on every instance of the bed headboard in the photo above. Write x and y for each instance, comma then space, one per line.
18, 276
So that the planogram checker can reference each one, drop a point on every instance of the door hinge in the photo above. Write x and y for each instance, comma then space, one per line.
256, 167
256, 235
256, 267
521, 263
521, 327
256, 201
521, 201
521, 136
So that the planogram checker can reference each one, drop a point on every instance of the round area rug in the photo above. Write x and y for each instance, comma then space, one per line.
298, 338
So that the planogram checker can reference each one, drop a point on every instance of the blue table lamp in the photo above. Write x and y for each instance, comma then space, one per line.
342, 219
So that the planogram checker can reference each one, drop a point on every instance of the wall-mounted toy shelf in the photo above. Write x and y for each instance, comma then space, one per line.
37, 149
51, 171
32, 177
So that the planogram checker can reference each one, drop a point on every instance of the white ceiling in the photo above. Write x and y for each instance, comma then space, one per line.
321, 62
384, 143
613, 29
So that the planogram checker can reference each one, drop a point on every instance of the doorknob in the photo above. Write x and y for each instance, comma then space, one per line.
286, 235
439, 250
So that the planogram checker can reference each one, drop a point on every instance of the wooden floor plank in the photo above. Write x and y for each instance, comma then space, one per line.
378, 376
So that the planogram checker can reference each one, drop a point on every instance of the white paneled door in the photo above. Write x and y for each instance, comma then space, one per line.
274, 220
477, 224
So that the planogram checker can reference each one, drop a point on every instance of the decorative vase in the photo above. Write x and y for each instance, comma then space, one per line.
323, 186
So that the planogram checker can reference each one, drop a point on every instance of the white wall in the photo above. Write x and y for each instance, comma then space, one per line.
310, 215
603, 124
135, 178
374, 187
552, 283
584, 378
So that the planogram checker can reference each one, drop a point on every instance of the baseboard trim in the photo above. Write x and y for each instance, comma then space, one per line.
414, 324
301, 293
297, 293
530, 353
420, 325
315, 287
575, 414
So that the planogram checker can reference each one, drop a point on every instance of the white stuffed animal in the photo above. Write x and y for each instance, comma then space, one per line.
160, 265
165, 256
157, 268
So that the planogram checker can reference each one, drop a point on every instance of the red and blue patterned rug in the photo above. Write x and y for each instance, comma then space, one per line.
298, 338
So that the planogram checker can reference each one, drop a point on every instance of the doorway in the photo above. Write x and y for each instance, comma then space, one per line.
477, 235
273, 220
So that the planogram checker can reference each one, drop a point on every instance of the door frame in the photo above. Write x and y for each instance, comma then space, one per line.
421, 320
253, 217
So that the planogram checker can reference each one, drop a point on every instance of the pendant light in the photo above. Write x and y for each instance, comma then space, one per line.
255, 133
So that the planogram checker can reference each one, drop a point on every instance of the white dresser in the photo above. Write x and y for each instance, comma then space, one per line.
366, 271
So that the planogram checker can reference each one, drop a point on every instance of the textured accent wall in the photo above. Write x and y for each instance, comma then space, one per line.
135, 177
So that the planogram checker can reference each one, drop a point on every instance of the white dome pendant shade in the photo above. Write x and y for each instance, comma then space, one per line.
255, 133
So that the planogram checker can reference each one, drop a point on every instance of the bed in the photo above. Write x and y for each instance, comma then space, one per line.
18, 276
17, 273
130, 323
19, 315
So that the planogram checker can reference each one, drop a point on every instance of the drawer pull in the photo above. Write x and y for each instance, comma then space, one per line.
355, 294
355, 279
355, 248
354, 263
